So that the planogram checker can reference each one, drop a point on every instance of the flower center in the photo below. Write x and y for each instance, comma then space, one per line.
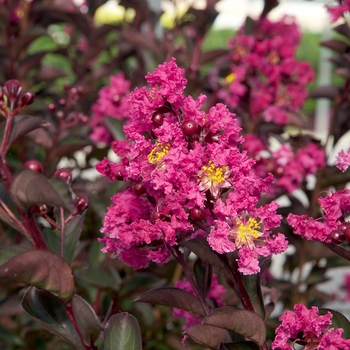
213, 178
230, 78
158, 153
245, 232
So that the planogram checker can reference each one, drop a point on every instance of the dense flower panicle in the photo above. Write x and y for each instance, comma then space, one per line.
343, 160
289, 166
264, 70
333, 206
112, 102
174, 169
307, 326
215, 295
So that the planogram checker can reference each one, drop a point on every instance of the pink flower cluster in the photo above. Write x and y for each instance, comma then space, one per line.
215, 296
337, 11
333, 206
289, 165
186, 174
112, 102
265, 76
343, 160
310, 329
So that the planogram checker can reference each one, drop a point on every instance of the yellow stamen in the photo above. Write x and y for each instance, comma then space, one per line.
214, 173
230, 78
158, 153
245, 233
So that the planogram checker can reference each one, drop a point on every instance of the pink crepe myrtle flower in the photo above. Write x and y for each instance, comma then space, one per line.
343, 160
265, 71
172, 171
337, 11
333, 206
215, 296
310, 329
112, 102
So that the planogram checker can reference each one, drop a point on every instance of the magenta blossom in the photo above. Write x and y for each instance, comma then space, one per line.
333, 207
307, 327
113, 103
343, 160
181, 160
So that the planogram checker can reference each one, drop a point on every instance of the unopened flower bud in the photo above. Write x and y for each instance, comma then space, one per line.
26, 99
13, 89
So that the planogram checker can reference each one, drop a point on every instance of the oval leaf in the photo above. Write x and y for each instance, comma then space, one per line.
252, 284
174, 297
40, 268
30, 188
208, 335
326, 91
122, 333
244, 322
9, 251
72, 233
88, 323
201, 248
51, 313
338, 321
23, 124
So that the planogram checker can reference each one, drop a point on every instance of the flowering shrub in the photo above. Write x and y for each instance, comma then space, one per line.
209, 171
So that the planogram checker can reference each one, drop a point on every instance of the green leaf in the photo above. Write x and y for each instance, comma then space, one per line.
43, 269
253, 287
9, 337
244, 322
9, 251
338, 321
122, 333
88, 323
51, 313
96, 277
174, 297
208, 335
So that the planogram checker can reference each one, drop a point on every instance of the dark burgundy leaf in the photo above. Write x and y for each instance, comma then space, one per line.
49, 73
336, 45
252, 284
268, 6
343, 29
244, 322
249, 26
67, 147
173, 297
326, 91
208, 335
43, 269
203, 274
30, 62
212, 55
338, 321
240, 345
30, 188
201, 248
88, 323
23, 124
51, 314
138, 40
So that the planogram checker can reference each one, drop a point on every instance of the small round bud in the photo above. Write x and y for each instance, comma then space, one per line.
81, 203
119, 176
197, 213
51, 107
34, 165
157, 119
66, 86
62, 102
337, 237
60, 115
65, 175
13, 89
80, 89
189, 127
116, 100
26, 99
138, 188
73, 90
83, 119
